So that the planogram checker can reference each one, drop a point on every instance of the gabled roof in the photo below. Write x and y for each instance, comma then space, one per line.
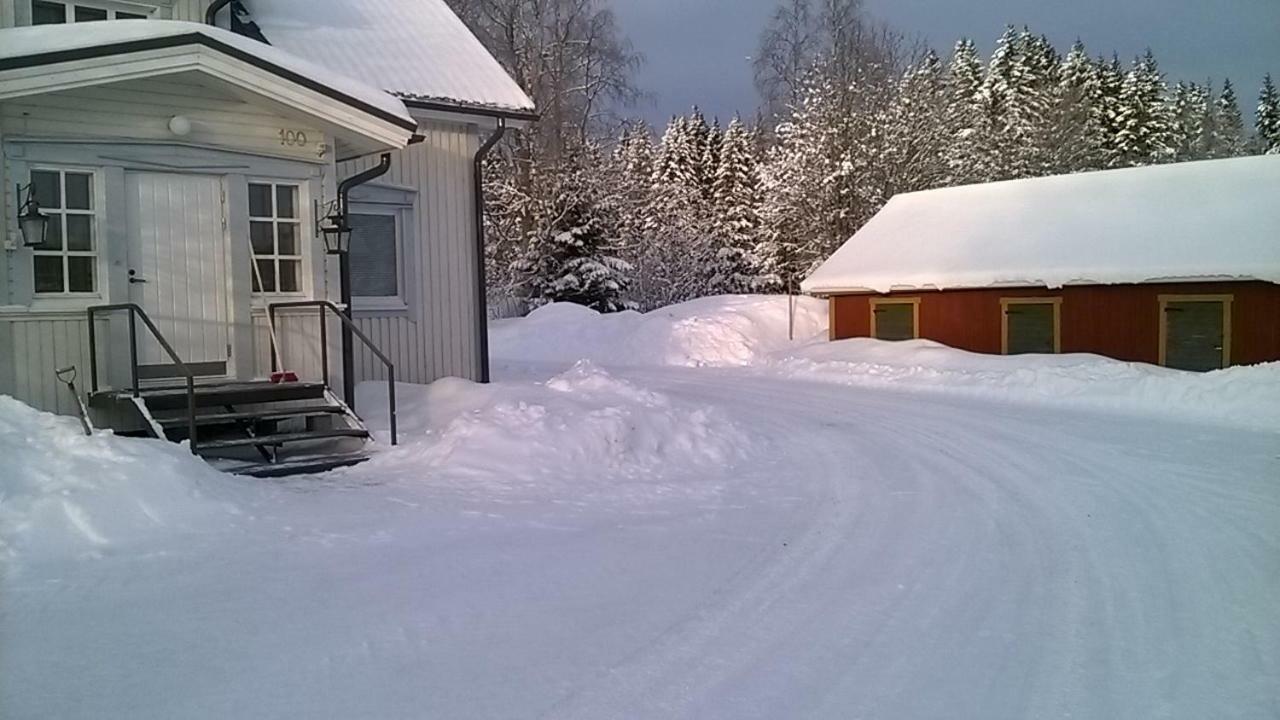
418, 50
1208, 220
48, 58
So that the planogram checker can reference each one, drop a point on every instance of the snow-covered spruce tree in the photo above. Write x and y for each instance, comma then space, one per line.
1106, 102
736, 222
1146, 129
1189, 109
1268, 117
1020, 90
965, 120
572, 254
1077, 139
1228, 139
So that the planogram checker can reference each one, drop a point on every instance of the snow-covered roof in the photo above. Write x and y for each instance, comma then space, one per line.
1208, 220
416, 49
45, 45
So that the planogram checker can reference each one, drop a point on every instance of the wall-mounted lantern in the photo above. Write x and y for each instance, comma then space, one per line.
336, 233
31, 222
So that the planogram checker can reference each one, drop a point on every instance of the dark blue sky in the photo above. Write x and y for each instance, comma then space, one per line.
698, 50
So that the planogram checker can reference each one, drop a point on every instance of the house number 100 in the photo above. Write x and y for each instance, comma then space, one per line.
293, 138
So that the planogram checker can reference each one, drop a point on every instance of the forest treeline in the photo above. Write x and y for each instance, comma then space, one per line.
591, 206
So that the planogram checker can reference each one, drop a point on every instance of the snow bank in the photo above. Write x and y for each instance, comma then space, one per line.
582, 434
731, 330
1241, 396
62, 493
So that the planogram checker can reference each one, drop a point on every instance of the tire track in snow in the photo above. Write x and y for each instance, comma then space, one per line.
961, 562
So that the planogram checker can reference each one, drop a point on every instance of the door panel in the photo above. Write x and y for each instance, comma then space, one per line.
178, 264
895, 321
1030, 328
1194, 335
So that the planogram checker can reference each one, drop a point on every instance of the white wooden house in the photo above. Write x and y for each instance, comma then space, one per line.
168, 153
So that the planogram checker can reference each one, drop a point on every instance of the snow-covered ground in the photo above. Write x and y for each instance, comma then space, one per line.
704, 520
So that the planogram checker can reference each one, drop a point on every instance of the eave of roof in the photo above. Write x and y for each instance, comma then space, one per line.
203, 39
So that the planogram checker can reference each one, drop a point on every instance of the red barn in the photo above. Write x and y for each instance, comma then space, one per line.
1172, 264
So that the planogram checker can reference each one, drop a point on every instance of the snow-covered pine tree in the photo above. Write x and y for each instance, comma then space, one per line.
1228, 138
710, 164
1268, 117
1146, 127
736, 197
572, 254
1020, 86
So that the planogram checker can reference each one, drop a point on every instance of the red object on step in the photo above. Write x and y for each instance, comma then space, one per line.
288, 376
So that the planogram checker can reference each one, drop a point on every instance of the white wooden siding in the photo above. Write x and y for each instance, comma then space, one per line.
436, 337
36, 347
141, 110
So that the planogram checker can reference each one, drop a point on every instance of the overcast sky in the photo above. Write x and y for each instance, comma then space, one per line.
698, 51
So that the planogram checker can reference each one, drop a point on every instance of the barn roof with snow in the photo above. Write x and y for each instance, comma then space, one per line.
418, 50
1207, 220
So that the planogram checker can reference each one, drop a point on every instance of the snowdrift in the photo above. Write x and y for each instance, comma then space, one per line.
62, 493
1243, 396
730, 330
583, 433
751, 332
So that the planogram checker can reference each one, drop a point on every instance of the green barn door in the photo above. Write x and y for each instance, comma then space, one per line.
1194, 335
895, 321
1030, 328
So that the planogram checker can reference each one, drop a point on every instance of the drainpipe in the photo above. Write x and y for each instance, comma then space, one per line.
344, 275
482, 293
211, 14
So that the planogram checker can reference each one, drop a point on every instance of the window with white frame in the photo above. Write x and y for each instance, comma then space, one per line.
377, 257
66, 262
49, 12
275, 234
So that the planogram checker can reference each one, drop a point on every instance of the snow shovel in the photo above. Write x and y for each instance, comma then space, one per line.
282, 375
67, 376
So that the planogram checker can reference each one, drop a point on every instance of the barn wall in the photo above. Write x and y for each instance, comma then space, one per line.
1119, 321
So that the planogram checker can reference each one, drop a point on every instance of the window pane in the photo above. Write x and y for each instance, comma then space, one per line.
373, 256
287, 235
80, 274
259, 200
267, 270
286, 201
46, 187
48, 273
52, 233
262, 239
87, 14
290, 275
48, 13
79, 188
129, 16
895, 322
79, 232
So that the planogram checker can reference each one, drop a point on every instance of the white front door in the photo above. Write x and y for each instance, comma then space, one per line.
178, 259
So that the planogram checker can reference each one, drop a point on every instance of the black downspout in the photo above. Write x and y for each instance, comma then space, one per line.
344, 275
211, 14
482, 291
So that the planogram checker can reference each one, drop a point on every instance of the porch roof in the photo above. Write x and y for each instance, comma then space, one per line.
48, 58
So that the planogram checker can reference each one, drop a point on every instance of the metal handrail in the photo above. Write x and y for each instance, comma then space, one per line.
323, 305
136, 311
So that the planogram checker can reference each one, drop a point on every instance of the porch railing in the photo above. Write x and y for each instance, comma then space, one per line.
135, 312
323, 306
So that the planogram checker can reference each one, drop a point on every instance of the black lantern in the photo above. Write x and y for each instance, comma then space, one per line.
33, 223
337, 234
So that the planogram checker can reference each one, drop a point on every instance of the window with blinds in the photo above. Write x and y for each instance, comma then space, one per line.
375, 255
